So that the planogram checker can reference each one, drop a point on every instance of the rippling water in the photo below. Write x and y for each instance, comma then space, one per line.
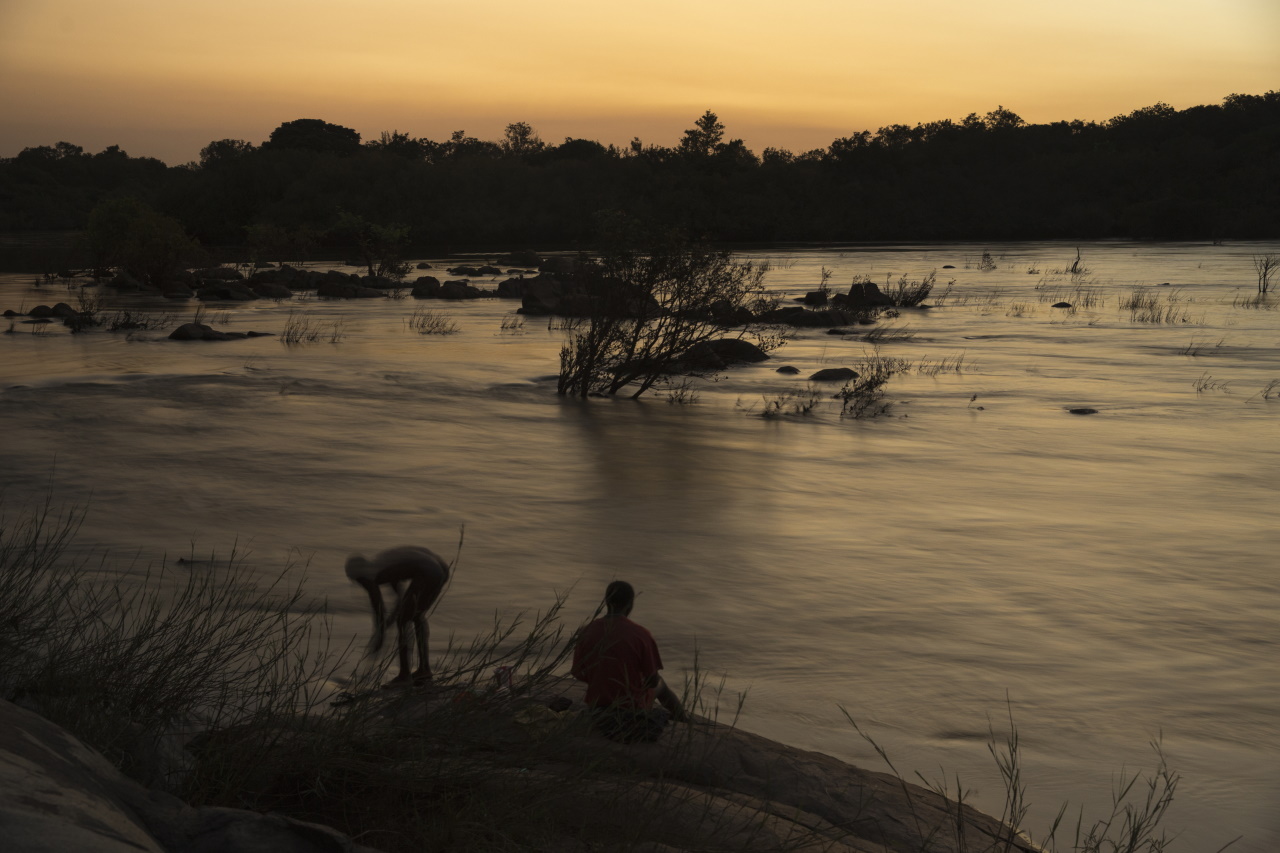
1112, 577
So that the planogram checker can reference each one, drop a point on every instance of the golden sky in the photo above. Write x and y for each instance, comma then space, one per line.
162, 78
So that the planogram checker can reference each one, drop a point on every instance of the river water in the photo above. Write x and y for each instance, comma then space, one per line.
1108, 579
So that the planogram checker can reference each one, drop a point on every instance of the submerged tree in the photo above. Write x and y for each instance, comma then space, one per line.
378, 245
649, 313
125, 233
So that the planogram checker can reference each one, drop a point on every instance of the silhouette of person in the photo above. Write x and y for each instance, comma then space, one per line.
426, 575
619, 661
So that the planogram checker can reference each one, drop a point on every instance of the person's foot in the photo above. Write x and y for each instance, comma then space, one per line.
422, 676
400, 680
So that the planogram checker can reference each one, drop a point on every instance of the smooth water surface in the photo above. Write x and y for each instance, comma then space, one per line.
1112, 577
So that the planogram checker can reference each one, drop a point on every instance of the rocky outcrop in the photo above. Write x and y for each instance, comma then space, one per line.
201, 332
460, 290
57, 795
834, 374
862, 296
722, 353
426, 287
219, 274
805, 318
333, 289
230, 291
702, 786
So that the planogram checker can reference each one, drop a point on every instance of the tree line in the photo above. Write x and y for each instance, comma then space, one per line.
1206, 172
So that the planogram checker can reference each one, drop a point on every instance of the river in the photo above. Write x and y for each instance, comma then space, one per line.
1108, 579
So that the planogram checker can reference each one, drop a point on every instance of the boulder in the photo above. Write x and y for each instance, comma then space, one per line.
717, 354
231, 291
559, 265
271, 290
1062, 305
816, 298
465, 270
423, 265
345, 289
219, 273
40, 312
123, 281
789, 370
805, 318
57, 795
512, 288
176, 290
459, 290
1083, 410
426, 287
864, 296
542, 295
521, 259
834, 374
197, 332
726, 313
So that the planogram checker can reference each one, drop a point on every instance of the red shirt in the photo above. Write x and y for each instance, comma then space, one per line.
615, 657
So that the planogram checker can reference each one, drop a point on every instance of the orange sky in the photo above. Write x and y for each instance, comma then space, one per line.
164, 77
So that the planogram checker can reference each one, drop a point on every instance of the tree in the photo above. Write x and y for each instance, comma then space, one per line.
312, 134
401, 145
703, 138
651, 311
223, 152
379, 245
520, 140
126, 233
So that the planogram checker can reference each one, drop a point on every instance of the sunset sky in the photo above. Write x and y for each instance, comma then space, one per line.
162, 78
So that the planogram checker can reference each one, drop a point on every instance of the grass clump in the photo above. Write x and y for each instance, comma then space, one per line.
133, 666
127, 320
907, 293
1133, 823
1145, 306
427, 322
864, 396
794, 403
304, 329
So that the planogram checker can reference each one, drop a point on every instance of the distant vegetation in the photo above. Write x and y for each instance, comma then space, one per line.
1207, 172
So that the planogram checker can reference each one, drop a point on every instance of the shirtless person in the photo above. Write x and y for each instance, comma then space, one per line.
426, 574
619, 661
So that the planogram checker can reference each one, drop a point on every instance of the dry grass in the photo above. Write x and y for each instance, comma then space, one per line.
424, 321
305, 329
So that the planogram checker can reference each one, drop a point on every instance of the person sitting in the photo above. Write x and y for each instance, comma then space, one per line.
426, 574
619, 661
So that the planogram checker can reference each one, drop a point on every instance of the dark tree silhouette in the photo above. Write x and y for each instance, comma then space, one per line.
312, 134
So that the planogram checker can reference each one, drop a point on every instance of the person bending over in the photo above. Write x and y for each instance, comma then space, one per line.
426, 575
619, 661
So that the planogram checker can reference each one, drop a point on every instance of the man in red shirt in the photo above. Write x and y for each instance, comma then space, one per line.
619, 661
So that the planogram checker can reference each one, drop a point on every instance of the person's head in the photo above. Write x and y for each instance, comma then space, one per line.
357, 567
619, 596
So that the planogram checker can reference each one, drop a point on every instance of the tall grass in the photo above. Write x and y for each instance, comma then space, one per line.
864, 397
427, 322
1144, 305
907, 293
304, 329
131, 666
1132, 823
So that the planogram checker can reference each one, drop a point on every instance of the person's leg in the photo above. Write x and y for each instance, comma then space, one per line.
423, 632
669, 700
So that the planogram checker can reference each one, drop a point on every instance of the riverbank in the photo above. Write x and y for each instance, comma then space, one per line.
445, 769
